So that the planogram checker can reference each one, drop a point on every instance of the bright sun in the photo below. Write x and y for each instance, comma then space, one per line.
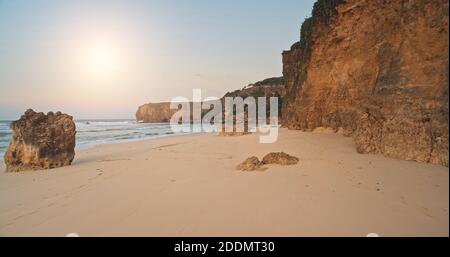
102, 60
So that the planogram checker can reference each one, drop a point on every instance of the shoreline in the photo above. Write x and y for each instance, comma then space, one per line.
131, 140
83, 144
187, 185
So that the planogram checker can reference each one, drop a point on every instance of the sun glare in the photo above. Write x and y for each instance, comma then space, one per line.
102, 60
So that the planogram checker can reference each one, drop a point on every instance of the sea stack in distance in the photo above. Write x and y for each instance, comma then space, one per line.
41, 141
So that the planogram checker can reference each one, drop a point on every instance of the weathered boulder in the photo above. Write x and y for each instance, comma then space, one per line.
41, 141
280, 158
250, 164
253, 163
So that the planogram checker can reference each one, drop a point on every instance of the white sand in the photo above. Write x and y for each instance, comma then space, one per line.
187, 186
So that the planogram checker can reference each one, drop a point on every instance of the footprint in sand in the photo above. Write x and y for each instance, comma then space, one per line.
161, 147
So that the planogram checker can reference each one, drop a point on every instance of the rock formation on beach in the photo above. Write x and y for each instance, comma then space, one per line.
377, 70
41, 141
155, 112
161, 112
280, 158
250, 164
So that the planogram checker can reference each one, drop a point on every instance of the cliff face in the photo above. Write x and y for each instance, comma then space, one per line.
161, 112
376, 69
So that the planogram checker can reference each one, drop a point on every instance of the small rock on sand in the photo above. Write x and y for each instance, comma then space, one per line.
250, 164
253, 163
280, 158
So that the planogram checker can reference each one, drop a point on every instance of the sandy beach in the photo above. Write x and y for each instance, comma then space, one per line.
188, 186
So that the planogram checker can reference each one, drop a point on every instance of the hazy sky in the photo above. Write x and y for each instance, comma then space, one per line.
102, 59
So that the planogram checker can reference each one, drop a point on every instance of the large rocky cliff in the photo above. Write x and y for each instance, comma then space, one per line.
377, 69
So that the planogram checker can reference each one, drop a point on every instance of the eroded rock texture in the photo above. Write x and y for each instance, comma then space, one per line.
376, 69
280, 158
155, 112
41, 141
250, 164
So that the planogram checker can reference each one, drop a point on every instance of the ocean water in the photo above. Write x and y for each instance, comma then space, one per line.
96, 132
5, 134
